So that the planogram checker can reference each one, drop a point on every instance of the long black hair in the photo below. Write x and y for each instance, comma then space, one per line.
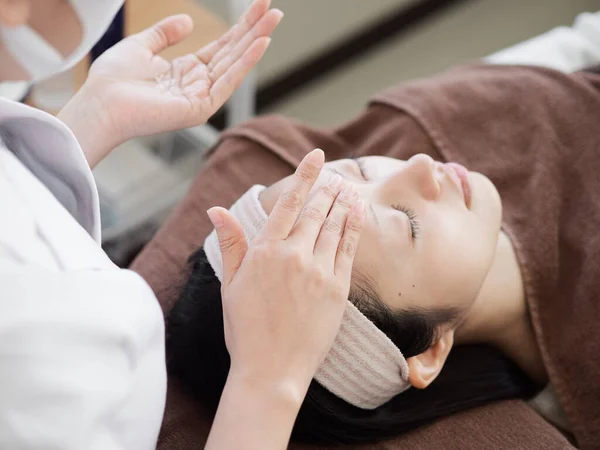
472, 376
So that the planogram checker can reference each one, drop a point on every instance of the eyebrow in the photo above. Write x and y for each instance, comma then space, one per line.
374, 215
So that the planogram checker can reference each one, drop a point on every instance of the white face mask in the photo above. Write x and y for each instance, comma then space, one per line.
39, 58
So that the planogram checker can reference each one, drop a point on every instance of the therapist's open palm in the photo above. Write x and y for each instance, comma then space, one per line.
142, 93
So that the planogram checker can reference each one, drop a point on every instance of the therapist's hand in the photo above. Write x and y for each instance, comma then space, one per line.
132, 92
283, 301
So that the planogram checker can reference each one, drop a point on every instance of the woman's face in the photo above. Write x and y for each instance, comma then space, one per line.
429, 237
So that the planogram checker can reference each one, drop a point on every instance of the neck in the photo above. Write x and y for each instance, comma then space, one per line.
499, 316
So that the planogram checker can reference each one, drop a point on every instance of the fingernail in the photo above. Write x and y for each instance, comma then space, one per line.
349, 192
317, 157
335, 182
215, 217
360, 208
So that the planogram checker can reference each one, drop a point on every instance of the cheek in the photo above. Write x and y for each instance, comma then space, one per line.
459, 257
387, 264
377, 254
367, 246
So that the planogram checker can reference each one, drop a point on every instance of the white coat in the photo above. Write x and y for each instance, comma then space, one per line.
82, 362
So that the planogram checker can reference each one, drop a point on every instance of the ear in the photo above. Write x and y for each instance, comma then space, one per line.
424, 368
14, 12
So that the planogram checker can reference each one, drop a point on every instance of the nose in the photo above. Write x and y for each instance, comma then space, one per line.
419, 173
422, 169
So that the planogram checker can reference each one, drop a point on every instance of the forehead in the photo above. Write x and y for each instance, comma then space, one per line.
374, 161
347, 167
351, 169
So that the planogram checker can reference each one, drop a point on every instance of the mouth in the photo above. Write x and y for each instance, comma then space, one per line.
460, 176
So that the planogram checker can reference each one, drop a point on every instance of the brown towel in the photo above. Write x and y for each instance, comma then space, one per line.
534, 132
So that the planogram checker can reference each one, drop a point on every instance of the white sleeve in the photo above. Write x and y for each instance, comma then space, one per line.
567, 49
82, 363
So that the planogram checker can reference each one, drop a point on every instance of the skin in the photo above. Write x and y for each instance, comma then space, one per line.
459, 246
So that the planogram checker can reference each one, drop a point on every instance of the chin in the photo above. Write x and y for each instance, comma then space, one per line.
485, 200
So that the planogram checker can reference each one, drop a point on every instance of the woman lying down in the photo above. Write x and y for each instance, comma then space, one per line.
477, 275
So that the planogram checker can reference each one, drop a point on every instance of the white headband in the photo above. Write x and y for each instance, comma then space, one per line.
363, 366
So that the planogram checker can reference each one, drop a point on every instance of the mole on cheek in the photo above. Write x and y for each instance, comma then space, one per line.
399, 294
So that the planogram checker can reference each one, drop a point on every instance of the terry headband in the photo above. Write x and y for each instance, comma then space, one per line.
363, 366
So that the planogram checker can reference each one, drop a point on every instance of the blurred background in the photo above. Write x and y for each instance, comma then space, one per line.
326, 59
416, 38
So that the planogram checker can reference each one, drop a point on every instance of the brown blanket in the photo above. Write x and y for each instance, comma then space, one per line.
534, 132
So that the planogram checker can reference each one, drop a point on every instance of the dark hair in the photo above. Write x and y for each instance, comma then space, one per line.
472, 375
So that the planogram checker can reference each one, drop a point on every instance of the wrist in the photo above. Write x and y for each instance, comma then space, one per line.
287, 393
259, 411
88, 119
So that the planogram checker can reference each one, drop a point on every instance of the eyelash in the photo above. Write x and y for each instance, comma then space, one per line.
415, 226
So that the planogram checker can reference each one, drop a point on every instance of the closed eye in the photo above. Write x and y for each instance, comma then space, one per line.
415, 226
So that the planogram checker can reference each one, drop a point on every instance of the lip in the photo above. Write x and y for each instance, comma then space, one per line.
461, 176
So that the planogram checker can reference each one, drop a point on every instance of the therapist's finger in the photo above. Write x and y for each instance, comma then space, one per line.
349, 242
206, 53
226, 84
263, 28
245, 23
232, 241
327, 244
167, 32
290, 203
315, 211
